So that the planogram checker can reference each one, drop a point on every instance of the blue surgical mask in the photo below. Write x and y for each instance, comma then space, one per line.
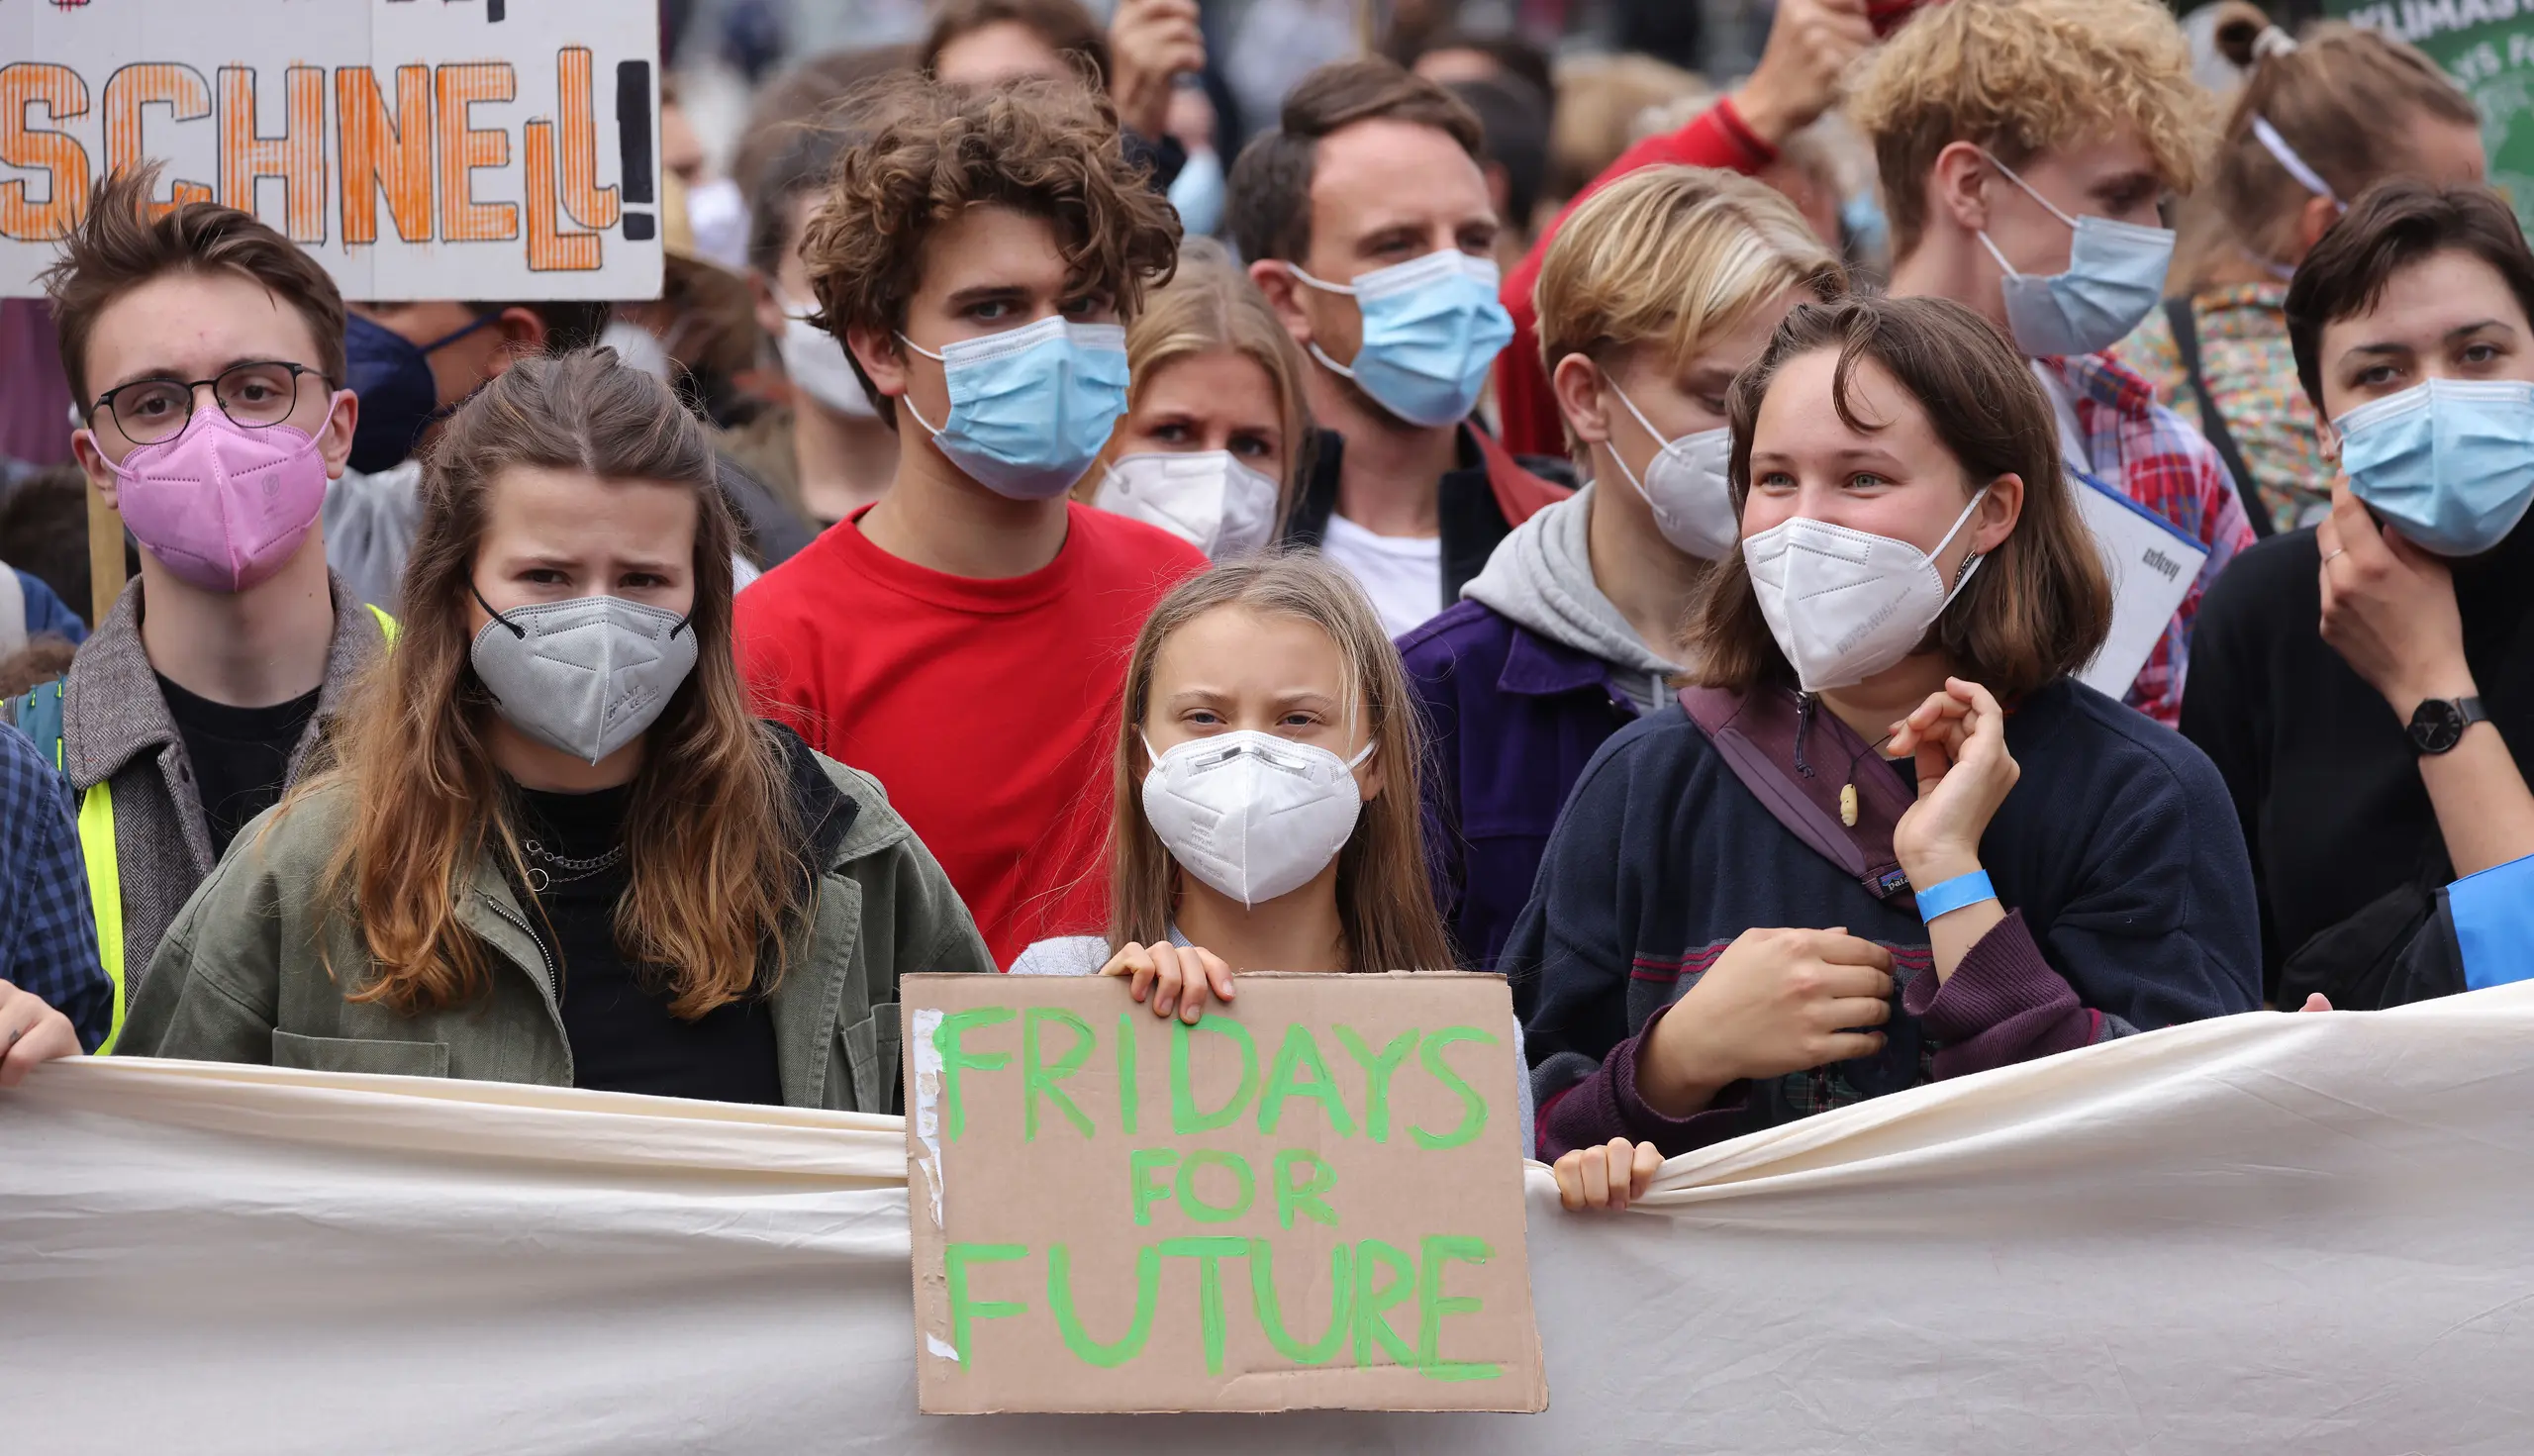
1432, 328
399, 398
2116, 275
1030, 409
2449, 463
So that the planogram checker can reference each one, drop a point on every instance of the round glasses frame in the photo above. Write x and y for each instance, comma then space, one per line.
256, 395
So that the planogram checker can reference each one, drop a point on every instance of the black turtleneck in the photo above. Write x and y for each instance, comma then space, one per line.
616, 1015
2322, 775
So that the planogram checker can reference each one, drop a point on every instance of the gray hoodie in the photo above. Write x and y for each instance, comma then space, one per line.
1540, 577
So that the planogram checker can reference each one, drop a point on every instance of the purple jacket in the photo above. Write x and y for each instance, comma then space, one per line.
1513, 718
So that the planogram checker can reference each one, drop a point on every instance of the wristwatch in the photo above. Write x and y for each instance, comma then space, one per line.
2438, 723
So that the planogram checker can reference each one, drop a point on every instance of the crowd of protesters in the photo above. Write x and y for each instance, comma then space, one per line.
1085, 507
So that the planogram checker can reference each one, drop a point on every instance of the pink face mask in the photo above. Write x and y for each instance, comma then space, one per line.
222, 505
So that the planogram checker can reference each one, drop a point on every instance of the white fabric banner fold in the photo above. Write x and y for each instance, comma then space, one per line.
2265, 1233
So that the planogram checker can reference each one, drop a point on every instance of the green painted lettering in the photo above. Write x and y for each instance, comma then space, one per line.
1208, 1254
1069, 1325
1377, 1072
1199, 1209
1472, 1106
1271, 1313
1438, 1250
1304, 1198
1126, 1072
1184, 1116
1372, 1327
1301, 1053
956, 1059
955, 1260
1141, 1189
1039, 1080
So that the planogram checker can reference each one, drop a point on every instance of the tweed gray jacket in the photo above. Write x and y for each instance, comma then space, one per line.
115, 729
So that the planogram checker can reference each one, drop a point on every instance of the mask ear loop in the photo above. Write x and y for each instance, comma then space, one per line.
516, 630
1982, 235
929, 426
1342, 371
1660, 444
485, 321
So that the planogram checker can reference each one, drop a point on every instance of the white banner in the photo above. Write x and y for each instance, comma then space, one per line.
499, 150
2270, 1233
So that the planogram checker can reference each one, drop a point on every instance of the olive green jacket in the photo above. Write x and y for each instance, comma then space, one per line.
239, 977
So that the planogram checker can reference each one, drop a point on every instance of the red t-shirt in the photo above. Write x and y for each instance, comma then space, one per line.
988, 708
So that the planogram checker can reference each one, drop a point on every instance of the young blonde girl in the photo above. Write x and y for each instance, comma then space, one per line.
1261, 694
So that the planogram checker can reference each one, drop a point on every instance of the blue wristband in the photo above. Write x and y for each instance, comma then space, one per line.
1948, 896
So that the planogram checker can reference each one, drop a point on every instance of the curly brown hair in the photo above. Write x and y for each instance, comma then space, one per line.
1046, 149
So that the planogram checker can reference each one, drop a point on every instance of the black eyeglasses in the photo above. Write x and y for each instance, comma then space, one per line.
256, 395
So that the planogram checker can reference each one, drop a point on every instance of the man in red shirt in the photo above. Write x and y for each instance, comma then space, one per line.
963, 641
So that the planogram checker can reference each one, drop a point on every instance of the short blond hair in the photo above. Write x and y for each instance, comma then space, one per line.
2023, 76
1673, 257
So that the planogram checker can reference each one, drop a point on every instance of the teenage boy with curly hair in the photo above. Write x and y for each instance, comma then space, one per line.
965, 638
2024, 148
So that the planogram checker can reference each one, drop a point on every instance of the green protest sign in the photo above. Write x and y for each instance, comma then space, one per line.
1313, 1199
2488, 47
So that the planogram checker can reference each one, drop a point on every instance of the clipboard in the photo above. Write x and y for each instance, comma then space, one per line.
2152, 565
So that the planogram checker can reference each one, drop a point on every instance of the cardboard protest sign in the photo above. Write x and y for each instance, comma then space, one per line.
1312, 1199
419, 148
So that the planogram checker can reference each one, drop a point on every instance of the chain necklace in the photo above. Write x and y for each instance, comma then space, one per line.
573, 870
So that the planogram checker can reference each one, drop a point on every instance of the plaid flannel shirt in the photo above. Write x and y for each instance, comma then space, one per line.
2153, 455
47, 930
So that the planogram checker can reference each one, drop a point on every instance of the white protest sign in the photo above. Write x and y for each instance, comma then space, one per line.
418, 148
2152, 567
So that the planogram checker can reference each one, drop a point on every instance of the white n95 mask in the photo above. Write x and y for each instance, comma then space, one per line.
1687, 486
1207, 498
585, 676
1844, 604
1252, 814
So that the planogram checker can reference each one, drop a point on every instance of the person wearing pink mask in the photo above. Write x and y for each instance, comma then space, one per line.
205, 356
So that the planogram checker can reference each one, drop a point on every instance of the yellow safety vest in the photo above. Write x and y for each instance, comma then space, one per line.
105, 874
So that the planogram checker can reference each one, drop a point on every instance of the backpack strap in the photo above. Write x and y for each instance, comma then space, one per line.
1797, 761
2212, 425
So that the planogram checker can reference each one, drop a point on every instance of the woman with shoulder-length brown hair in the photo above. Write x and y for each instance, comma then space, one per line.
1266, 813
1886, 835
555, 844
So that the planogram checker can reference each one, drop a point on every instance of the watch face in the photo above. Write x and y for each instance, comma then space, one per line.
2436, 725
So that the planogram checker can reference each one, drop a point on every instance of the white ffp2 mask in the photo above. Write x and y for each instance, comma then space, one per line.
1686, 486
1252, 814
1205, 498
1845, 604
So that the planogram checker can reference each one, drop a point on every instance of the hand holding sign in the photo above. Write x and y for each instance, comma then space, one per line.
1172, 977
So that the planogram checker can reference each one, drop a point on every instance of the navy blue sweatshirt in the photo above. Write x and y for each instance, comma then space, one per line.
2117, 856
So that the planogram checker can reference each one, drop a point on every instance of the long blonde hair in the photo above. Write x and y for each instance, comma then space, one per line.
715, 870
1211, 307
1385, 903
